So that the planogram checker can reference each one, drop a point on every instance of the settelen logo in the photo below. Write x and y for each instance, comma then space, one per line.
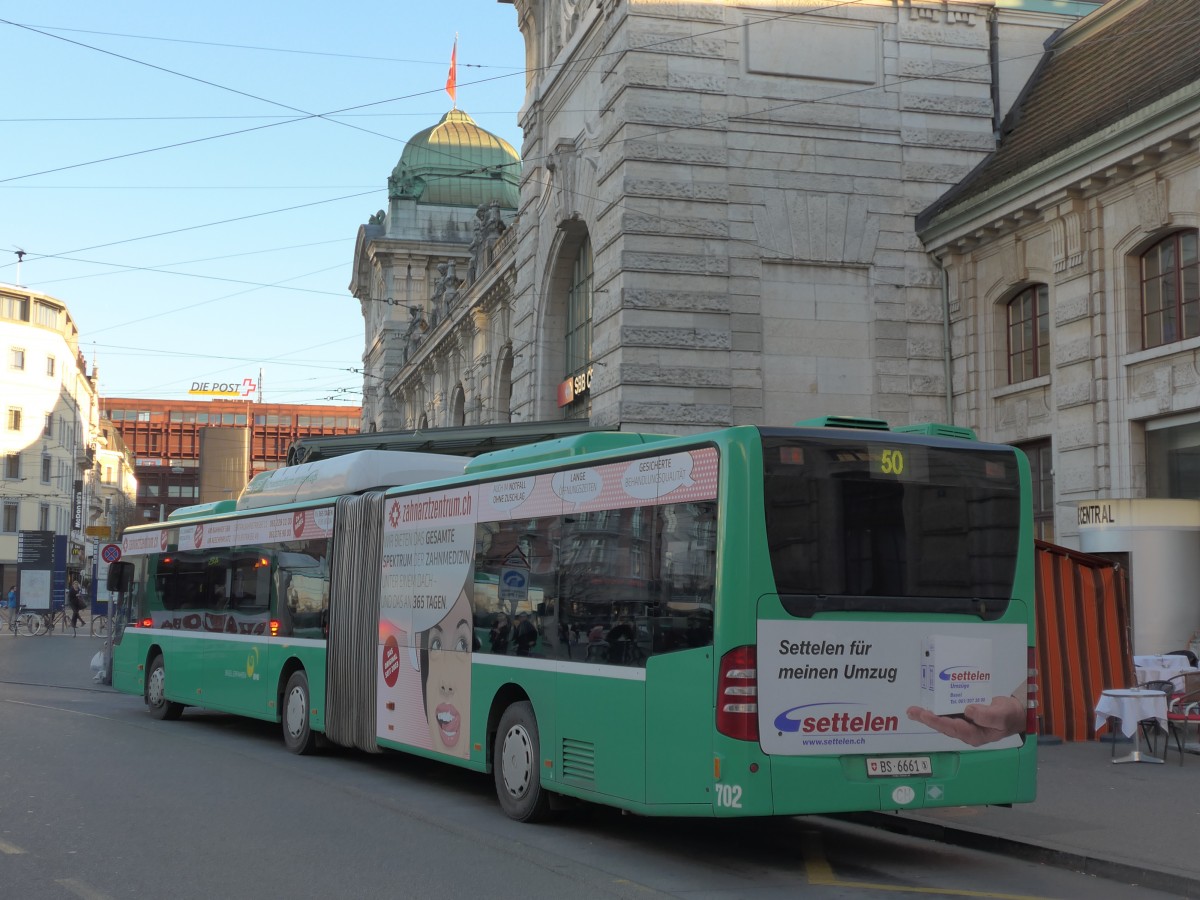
964, 674
834, 718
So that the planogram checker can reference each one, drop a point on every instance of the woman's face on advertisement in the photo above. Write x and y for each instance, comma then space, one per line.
448, 685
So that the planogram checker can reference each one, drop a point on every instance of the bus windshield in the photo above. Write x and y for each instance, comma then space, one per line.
877, 523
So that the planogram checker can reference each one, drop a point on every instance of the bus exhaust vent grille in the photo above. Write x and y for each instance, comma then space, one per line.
578, 760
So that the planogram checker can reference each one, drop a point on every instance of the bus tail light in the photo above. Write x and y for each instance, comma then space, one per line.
737, 694
1031, 697
274, 628
146, 623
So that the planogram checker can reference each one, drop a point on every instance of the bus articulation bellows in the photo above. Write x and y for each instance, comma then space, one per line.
828, 617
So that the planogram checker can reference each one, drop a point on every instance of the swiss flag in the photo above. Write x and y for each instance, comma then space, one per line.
452, 76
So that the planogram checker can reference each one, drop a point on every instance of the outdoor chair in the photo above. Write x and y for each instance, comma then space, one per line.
1151, 726
1182, 712
1191, 657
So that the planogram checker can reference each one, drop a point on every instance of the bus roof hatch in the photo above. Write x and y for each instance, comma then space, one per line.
350, 473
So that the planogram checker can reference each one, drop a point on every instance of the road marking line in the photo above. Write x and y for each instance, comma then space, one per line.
10, 849
82, 890
820, 872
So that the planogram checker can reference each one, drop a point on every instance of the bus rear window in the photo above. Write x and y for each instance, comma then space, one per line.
888, 525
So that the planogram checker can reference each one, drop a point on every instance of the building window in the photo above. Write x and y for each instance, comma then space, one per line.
1029, 334
47, 315
1170, 290
48, 426
10, 517
1173, 460
12, 465
14, 419
46, 464
1041, 477
14, 307
16, 358
43, 517
51, 366
579, 311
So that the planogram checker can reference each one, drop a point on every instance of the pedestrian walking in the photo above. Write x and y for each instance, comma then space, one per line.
75, 601
10, 608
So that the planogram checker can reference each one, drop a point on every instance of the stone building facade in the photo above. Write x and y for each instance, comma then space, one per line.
740, 181
434, 277
715, 221
1073, 299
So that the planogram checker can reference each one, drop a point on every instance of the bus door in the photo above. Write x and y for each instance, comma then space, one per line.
237, 586
679, 726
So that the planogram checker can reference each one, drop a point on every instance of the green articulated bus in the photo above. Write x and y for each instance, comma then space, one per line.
833, 616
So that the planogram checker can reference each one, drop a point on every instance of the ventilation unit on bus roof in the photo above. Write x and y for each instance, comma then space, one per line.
560, 448
203, 509
844, 422
937, 429
351, 473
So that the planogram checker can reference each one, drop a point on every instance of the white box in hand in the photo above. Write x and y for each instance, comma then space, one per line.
955, 672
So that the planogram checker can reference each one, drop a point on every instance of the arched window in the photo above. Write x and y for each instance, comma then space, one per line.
579, 330
1170, 290
1029, 334
579, 311
458, 407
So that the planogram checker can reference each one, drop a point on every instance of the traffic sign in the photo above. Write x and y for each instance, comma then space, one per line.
111, 553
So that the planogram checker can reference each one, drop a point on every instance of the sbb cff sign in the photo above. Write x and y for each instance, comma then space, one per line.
575, 386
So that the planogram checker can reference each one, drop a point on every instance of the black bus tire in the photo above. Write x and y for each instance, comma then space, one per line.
298, 735
516, 765
156, 682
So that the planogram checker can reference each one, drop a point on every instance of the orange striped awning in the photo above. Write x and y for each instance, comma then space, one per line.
1083, 637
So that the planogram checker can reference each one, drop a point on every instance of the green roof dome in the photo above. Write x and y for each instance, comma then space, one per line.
457, 163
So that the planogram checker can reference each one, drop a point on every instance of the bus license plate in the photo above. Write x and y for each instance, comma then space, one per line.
898, 766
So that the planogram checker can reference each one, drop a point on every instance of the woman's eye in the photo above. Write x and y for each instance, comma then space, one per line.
435, 643
461, 644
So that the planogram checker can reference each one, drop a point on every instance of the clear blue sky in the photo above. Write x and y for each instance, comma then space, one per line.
81, 89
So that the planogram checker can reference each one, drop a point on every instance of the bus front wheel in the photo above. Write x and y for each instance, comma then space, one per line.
298, 735
515, 765
156, 698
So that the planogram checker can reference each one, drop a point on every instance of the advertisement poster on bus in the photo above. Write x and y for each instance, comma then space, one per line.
426, 626
890, 687
426, 629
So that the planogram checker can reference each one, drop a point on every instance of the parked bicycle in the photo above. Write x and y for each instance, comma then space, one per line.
36, 624
100, 625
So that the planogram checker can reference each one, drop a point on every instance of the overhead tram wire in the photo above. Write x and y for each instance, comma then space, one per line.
281, 359
146, 237
182, 262
327, 115
204, 81
178, 309
598, 56
649, 134
157, 271
150, 37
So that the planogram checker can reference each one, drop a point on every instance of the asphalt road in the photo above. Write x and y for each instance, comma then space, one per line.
98, 800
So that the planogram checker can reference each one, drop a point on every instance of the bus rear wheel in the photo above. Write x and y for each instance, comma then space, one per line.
298, 735
515, 765
156, 698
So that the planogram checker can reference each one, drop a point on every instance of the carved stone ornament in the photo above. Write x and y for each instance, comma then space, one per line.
564, 167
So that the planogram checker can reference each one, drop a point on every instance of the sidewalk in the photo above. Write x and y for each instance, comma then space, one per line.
1136, 823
